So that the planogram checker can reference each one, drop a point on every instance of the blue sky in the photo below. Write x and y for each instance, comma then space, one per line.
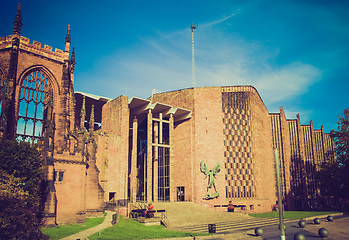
294, 52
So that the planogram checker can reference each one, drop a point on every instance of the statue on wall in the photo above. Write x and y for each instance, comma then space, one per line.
211, 179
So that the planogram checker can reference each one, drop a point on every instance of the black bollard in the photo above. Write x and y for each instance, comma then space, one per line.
302, 223
258, 231
323, 232
299, 236
212, 228
317, 221
329, 218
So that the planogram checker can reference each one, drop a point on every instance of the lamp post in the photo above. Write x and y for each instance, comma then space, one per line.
193, 75
281, 205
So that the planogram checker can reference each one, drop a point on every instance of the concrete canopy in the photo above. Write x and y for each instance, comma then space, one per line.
140, 106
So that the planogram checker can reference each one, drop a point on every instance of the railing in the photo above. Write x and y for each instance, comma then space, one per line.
165, 221
111, 206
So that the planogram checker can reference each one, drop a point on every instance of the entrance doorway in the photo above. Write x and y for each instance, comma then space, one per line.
112, 196
180, 194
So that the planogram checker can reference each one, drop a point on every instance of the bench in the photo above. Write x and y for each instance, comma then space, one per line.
237, 208
136, 213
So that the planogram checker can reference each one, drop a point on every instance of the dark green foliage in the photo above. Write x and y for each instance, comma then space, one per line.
22, 161
333, 175
341, 138
21, 191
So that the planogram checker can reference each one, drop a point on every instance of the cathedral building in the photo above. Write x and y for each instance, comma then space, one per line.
206, 145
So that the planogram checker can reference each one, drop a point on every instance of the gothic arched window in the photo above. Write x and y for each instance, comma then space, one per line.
34, 94
2, 88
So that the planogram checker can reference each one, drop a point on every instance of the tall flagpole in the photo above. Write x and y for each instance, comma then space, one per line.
193, 56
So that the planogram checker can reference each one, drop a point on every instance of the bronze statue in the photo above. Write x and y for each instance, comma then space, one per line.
211, 179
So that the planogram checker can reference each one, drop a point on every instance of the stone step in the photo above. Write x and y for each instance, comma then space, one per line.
228, 227
149, 221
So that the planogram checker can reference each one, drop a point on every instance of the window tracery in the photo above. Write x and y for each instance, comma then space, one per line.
34, 95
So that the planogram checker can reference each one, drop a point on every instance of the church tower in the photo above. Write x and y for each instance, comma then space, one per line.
37, 105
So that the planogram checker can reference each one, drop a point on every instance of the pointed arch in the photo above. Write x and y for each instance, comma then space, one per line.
36, 87
50, 76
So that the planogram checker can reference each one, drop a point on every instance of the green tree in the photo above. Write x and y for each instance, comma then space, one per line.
341, 138
22, 191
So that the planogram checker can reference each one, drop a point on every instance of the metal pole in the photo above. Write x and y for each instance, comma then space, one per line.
281, 206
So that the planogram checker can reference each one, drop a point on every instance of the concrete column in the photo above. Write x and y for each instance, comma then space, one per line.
313, 146
160, 128
133, 180
286, 146
302, 158
149, 156
156, 162
172, 186
324, 146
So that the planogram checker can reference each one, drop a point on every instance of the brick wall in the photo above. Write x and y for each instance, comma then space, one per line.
113, 148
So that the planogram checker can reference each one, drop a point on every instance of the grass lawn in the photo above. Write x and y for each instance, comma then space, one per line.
291, 214
66, 230
130, 229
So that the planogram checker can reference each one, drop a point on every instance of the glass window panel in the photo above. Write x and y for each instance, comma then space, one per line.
32, 94
20, 126
167, 194
39, 111
22, 108
38, 128
29, 128
167, 181
35, 96
31, 109
22, 93
165, 133
60, 176
27, 94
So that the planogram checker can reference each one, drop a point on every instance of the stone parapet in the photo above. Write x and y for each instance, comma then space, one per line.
35, 47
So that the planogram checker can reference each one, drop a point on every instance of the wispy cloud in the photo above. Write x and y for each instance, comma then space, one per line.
209, 24
288, 81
